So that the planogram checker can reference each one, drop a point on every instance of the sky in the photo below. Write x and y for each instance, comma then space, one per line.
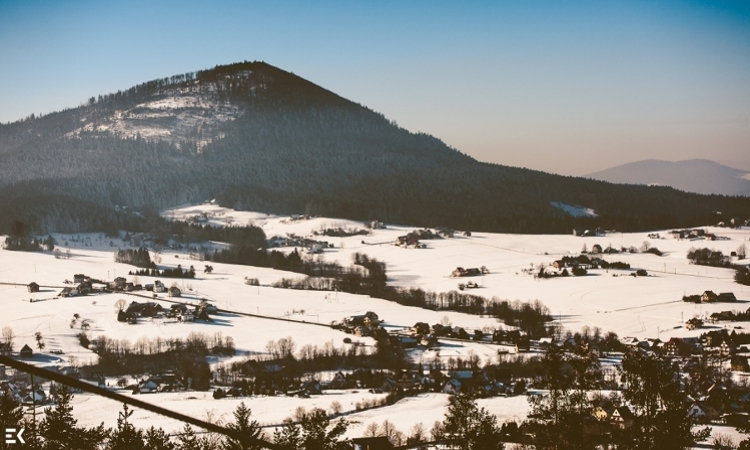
563, 87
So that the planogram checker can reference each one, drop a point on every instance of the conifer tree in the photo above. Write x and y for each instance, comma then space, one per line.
125, 436
248, 430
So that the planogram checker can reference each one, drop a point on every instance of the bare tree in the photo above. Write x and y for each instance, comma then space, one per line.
120, 305
8, 337
723, 441
336, 408
300, 414
286, 347
388, 429
742, 251
417, 434
372, 430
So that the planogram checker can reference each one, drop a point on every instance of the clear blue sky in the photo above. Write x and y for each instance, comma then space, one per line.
565, 87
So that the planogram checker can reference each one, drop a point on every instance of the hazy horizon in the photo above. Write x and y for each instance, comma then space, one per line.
570, 88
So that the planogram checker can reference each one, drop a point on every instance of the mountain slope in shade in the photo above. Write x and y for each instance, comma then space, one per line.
255, 137
695, 175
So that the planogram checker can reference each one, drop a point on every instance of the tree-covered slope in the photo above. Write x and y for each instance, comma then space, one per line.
257, 137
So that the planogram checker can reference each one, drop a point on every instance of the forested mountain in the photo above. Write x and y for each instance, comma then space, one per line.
695, 175
256, 137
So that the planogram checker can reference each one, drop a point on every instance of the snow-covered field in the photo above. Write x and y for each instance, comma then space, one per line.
612, 300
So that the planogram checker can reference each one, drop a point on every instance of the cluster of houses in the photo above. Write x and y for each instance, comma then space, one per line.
471, 272
166, 382
85, 285
270, 379
366, 324
707, 396
312, 246
598, 231
412, 238
710, 297
734, 222
21, 391
178, 311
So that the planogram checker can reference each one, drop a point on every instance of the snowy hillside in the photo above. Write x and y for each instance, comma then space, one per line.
613, 300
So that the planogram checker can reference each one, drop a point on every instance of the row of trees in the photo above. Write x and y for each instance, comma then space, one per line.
465, 427
368, 277
136, 257
186, 357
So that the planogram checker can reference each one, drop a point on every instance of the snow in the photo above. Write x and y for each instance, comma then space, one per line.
90, 410
171, 118
575, 211
612, 300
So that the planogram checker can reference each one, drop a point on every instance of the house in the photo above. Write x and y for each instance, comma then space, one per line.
178, 308
79, 278
389, 385
159, 287
709, 297
148, 386
339, 381
461, 272
452, 386
371, 443
369, 318
33, 287
68, 292
208, 307
312, 388
622, 417
408, 240
315, 248
85, 288
26, 351
420, 328
174, 291
727, 297
36, 396
727, 348
702, 412
676, 346
694, 323
722, 316
148, 309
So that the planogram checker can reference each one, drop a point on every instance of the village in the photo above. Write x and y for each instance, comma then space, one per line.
319, 347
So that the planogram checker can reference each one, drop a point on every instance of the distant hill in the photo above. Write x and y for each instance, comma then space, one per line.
695, 175
255, 137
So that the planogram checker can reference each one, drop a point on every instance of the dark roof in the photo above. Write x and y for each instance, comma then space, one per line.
26, 349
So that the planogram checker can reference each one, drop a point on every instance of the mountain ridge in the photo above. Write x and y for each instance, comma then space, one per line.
257, 137
700, 176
